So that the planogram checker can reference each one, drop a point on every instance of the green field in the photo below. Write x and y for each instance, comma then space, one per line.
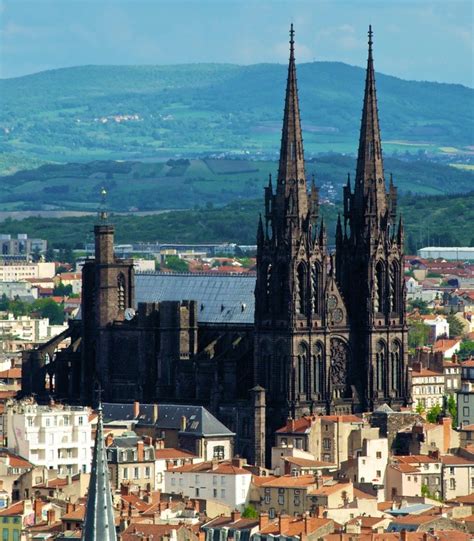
135, 112
183, 183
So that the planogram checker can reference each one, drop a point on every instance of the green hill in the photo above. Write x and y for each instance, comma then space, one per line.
187, 183
431, 220
133, 112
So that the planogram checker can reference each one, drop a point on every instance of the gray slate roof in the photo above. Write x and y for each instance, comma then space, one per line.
199, 421
221, 298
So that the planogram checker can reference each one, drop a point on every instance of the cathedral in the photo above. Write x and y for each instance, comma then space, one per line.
315, 331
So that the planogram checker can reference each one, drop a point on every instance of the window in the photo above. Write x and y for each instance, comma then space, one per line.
30, 421
125, 474
284, 442
197, 492
222, 480
214, 492
196, 479
136, 473
296, 500
452, 484
48, 421
267, 498
378, 474
180, 481
214, 479
173, 481
81, 420
451, 471
281, 499
465, 411
326, 443
299, 443
218, 452
271, 512
222, 492
379, 454
472, 482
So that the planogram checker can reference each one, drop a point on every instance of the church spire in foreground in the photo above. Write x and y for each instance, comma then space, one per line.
370, 183
291, 171
99, 524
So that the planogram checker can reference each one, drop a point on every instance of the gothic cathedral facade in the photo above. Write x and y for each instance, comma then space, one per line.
330, 328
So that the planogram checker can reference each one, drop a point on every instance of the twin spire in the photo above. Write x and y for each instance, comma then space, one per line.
291, 191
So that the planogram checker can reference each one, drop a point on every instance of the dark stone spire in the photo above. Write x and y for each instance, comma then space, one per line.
370, 183
291, 171
99, 523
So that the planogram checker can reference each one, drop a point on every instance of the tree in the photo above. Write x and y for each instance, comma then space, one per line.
250, 512
50, 254
36, 255
455, 326
420, 409
452, 408
422, 306
62, 290
434, 413
50, 309
175, 263
466, 349
418, 334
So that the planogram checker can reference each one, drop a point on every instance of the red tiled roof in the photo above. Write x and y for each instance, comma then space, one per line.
308, 463
326, 490
296, 425
288, 481
453, 460
222, 468
11, 373
14, 510
405, 468
170, 453
444, 344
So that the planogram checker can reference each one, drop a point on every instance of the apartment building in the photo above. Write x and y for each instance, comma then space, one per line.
56, 436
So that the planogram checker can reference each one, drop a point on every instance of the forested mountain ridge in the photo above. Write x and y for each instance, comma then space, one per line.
132, 112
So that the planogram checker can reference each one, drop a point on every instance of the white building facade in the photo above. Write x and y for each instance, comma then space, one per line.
57, 437
225, 482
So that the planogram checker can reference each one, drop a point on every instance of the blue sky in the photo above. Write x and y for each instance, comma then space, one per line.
414, 39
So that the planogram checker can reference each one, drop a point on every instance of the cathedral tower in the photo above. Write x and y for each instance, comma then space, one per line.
369, 263
301, 350
108, 290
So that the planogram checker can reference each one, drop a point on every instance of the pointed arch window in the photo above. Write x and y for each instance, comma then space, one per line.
395, 287
379, 287
381, 368
318, 371
396, 368
317, 288
302, 288
282, 279
121, 291
302, 368
268, 288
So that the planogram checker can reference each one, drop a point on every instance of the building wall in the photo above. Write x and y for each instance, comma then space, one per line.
458, 480
231, 490
59, 438
465, 404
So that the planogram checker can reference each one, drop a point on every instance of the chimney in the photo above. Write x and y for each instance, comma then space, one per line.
136, 409
235, 515
306, 523
38, 507
183, 423
290, 424
238, 462
283, 523
140, 453
446, 422
155, 413
318, 479
51, 516
263, 520
159, 444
